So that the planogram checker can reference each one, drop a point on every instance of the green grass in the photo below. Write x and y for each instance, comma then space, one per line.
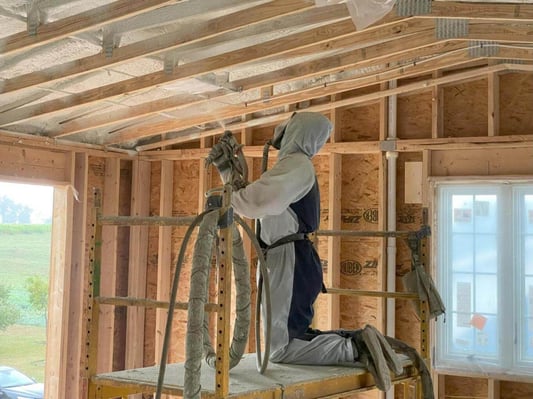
24, 347
24, 252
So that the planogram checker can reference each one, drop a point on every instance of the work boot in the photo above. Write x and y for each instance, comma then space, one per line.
377, 356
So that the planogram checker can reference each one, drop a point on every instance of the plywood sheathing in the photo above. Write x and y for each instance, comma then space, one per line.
123, 244
515, 390
414, 110
516, 97
185, 203
360, 257
465, 109
465, 387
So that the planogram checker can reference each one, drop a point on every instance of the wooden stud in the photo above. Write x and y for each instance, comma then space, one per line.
110, 206
73, 386
494, 104
57, 329
437, 111
494, 388
164, 258
137, 265
334, 243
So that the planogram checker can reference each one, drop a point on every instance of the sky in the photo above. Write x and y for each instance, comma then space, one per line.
39, 198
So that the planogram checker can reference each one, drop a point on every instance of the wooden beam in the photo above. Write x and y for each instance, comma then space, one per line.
164, 258
73, 385
186, 35
137, 265
486, 11
59, 298
437, 105
91, 19
371, 57
106, 325
186, 71
334, 243
493, 104
494, 389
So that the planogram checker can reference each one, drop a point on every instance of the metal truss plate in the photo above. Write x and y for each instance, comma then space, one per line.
406, 8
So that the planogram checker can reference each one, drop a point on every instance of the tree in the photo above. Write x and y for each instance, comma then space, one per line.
37, 287
9, 313
12, 212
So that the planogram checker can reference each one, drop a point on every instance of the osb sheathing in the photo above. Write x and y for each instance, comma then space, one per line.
515, 116
359, 123
414, 115
360, 258
466, 109
465, 387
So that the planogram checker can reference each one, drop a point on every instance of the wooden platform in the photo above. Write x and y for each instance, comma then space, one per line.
279, 381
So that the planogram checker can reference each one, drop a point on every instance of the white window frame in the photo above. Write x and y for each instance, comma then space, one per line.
507, 361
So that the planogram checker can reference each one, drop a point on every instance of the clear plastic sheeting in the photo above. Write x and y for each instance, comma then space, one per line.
363, 12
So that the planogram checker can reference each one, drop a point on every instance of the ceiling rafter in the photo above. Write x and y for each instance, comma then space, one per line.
53, 31
300, 62
193, 69
192, 33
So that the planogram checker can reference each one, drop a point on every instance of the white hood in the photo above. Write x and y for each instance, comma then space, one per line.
306, 132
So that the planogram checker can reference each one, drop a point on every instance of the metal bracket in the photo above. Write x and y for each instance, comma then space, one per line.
448, 28
387, 145
483, 48
407, 8
169, 63
33, 19
109, 42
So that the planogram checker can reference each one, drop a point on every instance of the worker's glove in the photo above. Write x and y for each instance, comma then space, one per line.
229, 160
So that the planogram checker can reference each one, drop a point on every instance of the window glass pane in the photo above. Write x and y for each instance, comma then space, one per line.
462, 339
527, 342
486, 294
528, 254
463, 252
528, 214
462, 213
462, 298
486, 253
486, 335
485, 216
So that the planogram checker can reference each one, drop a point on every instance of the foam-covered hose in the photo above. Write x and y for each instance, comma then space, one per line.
243, 312
172, 300
198, 342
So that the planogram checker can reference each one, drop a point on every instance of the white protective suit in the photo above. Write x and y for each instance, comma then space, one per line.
286, 200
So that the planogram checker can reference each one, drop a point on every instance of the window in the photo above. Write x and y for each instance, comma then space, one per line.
484, 247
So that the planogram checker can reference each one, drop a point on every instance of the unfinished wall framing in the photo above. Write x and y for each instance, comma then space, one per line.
351, 199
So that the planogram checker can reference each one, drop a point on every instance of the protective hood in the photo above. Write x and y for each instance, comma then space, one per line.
304, 132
